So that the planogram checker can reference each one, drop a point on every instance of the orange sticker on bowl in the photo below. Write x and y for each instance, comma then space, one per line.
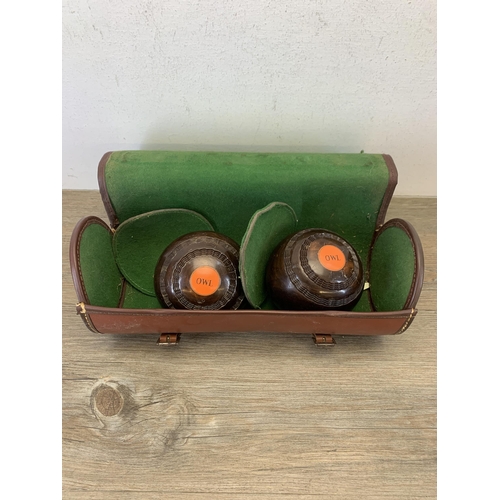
331, 257
204, 280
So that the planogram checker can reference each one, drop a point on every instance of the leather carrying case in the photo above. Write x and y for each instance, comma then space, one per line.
345, 193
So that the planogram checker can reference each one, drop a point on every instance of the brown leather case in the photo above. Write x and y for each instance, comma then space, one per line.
322, 325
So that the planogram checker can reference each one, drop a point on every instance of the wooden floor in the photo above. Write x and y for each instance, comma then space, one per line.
250, 416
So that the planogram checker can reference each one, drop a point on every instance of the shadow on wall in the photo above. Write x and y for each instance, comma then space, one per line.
157, 139
236, 148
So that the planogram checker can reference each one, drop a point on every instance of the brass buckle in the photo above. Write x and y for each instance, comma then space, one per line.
167, 339
324, 339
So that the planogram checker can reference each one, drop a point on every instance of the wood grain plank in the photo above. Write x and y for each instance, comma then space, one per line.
250, 416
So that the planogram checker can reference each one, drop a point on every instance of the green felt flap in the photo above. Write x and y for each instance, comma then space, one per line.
134, 299
266, 229
393, 267
100, 277
339, 192
363, 303
139, 241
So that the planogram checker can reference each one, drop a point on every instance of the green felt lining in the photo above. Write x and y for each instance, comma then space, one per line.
363, 303
266, 229
134, 299
101, 277
392, 269
339, 192
139, 242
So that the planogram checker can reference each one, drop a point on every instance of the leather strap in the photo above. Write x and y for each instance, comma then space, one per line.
149, 321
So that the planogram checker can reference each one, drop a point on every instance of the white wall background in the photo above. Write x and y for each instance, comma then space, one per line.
307, 76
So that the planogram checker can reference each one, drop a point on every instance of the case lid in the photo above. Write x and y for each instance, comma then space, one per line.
344, 193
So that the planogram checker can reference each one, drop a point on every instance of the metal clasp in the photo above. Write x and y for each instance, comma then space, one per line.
323, 339
166, 339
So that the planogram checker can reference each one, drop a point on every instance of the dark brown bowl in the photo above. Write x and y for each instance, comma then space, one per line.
199, 271
315, 269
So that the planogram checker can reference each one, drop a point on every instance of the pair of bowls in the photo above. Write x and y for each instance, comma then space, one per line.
309, 270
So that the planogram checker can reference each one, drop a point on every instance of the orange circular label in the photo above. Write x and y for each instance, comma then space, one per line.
204, 280
331, 257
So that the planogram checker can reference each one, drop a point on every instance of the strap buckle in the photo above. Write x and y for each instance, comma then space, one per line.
167, 339
323, 339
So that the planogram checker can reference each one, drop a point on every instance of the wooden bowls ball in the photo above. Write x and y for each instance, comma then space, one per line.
315, 269
199, 271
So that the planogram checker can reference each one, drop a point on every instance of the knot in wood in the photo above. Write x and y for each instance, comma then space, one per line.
108, 400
